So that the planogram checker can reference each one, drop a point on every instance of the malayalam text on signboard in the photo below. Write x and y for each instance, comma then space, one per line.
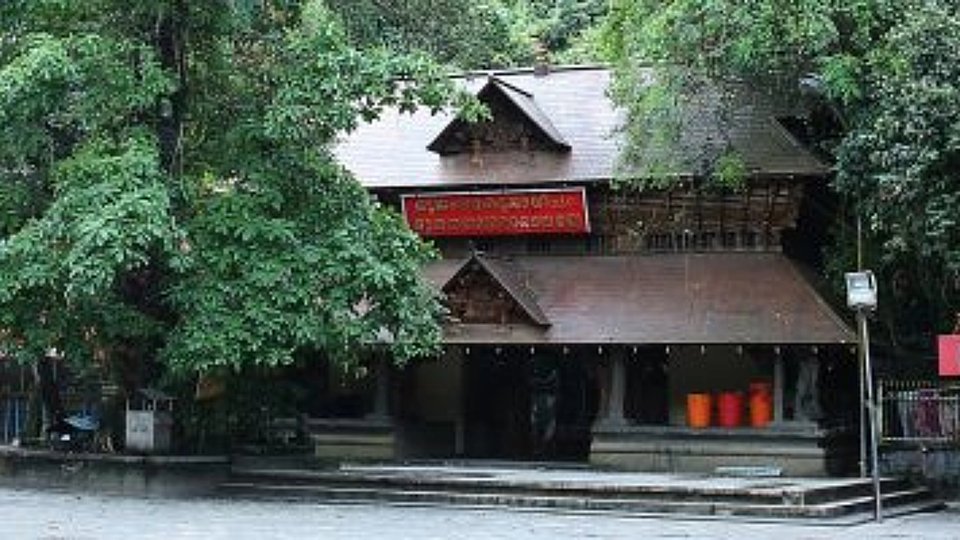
559, 211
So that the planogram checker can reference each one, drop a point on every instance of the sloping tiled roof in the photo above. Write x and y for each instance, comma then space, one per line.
713, 298
392, 151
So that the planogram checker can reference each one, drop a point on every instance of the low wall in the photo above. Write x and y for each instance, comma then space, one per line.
151, 476
796, 452
352, 440
938, 467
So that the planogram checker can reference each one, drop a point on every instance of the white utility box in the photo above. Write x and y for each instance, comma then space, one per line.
861, 290
149, 422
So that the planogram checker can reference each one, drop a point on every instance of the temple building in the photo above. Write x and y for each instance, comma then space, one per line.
650, 330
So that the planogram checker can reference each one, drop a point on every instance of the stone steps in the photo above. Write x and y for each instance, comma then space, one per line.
847, 500
774, 491
864, 505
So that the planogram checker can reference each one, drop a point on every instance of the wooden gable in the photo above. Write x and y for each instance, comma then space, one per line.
515, 123
484, 291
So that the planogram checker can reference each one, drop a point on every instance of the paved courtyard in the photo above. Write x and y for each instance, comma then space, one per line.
33, 515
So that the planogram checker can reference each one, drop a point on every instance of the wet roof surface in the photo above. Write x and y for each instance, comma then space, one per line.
572, 106
715, 298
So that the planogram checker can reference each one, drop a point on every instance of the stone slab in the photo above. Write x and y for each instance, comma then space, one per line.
154, 475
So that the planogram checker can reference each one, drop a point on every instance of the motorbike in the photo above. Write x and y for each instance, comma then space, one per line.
74, 433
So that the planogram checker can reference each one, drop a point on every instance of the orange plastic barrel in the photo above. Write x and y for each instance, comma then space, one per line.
698, 410
761, 404
730, 409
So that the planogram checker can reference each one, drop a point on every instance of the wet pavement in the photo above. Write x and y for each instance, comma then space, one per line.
34, 515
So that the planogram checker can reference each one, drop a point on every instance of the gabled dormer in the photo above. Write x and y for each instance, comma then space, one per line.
516, 123
487, 290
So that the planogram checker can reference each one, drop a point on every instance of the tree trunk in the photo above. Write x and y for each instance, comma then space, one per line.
171, 48
49, 395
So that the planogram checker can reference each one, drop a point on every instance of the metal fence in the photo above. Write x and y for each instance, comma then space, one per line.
13, 411
919, 412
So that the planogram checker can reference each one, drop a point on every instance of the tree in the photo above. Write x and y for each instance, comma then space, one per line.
463, 33
468, 34
567, 29
558, 23
900, 165
168, 190
884, 71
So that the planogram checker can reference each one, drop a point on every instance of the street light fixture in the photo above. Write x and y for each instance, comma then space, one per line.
862, 297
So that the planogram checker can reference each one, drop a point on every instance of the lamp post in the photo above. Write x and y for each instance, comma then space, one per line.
862, 297
861, 417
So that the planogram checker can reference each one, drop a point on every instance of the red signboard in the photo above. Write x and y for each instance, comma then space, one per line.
557, 211
949, 346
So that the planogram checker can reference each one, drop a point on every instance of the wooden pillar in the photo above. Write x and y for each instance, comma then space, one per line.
612, 413
778, 375
618, 386
458, 355
381, 396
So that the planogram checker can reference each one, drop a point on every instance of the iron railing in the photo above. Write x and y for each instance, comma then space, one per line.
919, 412
13, 411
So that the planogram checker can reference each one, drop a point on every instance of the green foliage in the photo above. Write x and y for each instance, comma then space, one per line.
729, 171
885, 69
566, 28
463, 33
331, 270
477, 35
586, 47
900, 163
652, 129
83, 197
762, 38
167, 187
689, 49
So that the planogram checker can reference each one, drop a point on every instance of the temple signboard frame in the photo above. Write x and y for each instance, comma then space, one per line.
498, 213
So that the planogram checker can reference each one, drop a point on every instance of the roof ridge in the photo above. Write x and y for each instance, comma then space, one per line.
527, 70
494, 79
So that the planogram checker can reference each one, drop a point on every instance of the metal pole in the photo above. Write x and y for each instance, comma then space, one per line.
861, 380
862, 417
859, 243
872, 413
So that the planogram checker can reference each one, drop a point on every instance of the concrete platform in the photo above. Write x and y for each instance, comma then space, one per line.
798, 450
360, 439
582, 489
118, 474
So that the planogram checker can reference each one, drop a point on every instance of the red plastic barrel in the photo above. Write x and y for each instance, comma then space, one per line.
698, 410
730, 409
761, 404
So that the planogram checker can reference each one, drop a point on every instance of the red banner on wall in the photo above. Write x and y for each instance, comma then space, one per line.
949, 346
557, 211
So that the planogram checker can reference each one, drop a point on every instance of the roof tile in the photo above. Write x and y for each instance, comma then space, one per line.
392, 151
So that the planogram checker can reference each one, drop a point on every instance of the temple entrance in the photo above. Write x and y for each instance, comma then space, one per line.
523, 406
